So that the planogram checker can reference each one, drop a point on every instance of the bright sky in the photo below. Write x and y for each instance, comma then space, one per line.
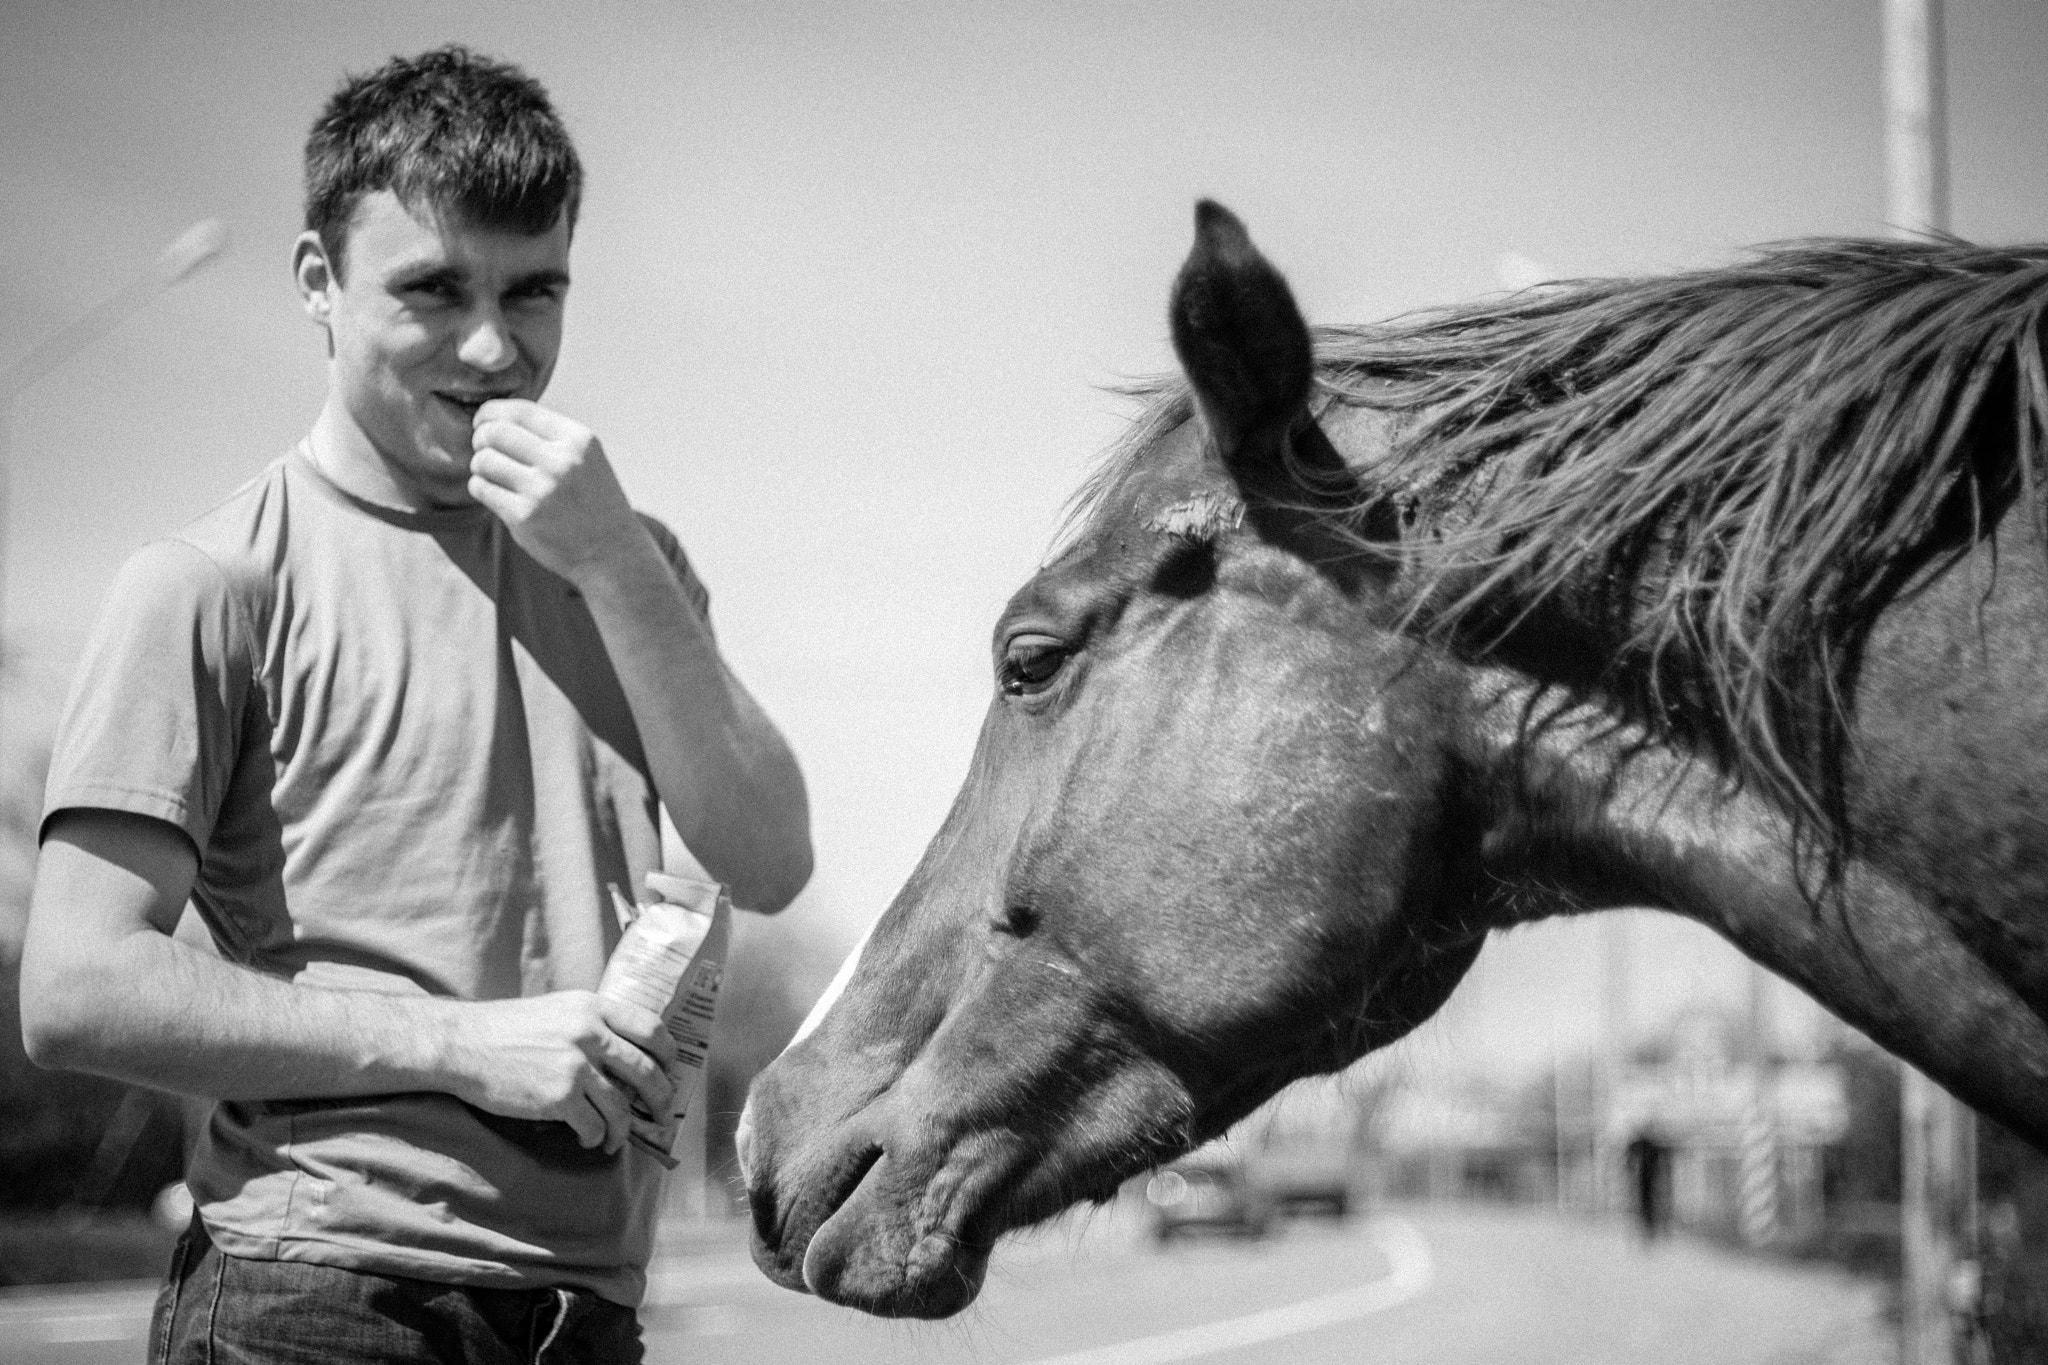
850, 276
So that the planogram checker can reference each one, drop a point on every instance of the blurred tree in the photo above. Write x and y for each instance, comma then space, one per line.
21, 808
2012, 1185
77, 1142
67, 1141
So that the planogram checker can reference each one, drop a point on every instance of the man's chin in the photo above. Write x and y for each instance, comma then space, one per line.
449, 487
440, 471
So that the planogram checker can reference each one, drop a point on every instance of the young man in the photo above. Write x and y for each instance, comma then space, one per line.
392, 717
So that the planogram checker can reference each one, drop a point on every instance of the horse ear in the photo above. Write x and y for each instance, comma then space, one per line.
1239, 337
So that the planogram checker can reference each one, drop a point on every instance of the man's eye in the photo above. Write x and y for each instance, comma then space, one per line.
1030, 664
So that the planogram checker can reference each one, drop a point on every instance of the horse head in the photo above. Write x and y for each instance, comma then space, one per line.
1634, 592
1201, 849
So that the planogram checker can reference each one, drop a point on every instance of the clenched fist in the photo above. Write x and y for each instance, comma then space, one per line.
546, 477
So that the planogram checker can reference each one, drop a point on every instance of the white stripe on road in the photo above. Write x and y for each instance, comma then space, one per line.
115, 1311
678, 1280
1411, 1272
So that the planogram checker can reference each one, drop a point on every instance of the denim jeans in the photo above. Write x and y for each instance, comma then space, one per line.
216, 1309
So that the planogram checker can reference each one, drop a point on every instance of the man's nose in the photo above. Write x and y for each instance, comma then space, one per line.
487, 346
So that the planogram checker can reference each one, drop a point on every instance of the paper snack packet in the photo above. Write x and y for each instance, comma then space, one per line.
671, 960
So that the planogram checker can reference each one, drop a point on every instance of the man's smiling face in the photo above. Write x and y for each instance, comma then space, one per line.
434, 316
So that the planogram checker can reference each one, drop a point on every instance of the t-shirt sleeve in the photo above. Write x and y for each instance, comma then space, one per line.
679, 563
152, 722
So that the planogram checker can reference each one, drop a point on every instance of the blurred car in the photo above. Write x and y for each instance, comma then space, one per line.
1303, 1149
1208, 1190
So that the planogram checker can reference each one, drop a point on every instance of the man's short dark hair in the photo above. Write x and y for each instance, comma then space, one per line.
447, 129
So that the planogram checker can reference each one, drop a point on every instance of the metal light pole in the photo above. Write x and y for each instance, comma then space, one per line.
1915, 118
1938, 1147
1616, 1010
192, 249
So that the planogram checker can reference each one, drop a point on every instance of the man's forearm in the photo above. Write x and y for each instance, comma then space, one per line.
157, 1012
152, 1011
730, 783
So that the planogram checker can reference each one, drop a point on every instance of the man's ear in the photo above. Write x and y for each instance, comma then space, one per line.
315, 276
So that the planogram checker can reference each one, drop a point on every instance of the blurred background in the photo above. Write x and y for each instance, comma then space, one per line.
853, 280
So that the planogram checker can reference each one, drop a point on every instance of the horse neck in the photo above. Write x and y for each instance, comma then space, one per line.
1569, 633
1582, 811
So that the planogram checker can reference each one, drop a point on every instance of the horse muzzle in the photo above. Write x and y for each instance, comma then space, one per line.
862, 1213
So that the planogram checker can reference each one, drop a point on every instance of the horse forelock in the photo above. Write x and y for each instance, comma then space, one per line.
1202, 518
1164, 403
1747, 462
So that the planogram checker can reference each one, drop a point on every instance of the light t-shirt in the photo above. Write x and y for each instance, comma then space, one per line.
408, 766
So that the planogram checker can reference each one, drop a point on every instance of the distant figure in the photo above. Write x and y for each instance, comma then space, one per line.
1647, 1161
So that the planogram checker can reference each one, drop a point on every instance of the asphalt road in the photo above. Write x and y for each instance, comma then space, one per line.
1453, 1285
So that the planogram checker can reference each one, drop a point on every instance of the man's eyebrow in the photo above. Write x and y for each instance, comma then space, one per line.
429, 272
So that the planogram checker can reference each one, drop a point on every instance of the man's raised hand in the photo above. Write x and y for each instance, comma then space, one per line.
546, 477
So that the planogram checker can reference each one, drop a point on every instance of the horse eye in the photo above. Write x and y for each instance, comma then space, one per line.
1030, 663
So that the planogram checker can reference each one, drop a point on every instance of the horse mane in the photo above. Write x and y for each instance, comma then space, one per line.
1729, 472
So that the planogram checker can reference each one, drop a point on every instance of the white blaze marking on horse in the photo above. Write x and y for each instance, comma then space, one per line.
1410, 1272
832, 992
1205, 516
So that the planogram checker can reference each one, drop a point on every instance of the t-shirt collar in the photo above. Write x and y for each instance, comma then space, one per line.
423, 519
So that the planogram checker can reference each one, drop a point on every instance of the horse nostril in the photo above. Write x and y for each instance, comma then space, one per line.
1020, 921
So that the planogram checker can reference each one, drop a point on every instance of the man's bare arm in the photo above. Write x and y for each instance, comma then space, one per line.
104, 988
729, 782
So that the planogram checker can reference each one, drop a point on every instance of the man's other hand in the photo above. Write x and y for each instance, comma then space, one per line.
569, 1056
546, 477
